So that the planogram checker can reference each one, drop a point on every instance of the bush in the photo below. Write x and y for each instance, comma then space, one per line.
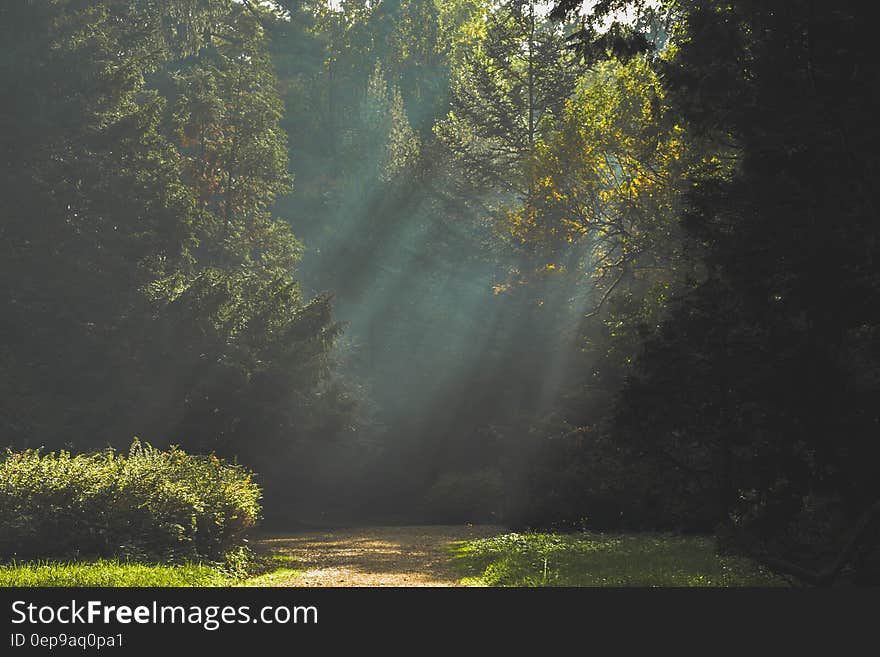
152, 503
466, 496
563, 480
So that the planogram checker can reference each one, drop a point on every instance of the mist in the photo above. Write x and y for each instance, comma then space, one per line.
452, 353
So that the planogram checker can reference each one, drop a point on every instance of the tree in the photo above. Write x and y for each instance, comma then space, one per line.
605, 181
758, 387
506, 93
150, 290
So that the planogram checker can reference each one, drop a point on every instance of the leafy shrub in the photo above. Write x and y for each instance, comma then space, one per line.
151, 503
466, 496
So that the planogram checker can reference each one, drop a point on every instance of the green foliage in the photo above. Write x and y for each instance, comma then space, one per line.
602, 212
603, 560
476, 496
151, 502
506, 92
753, 396
148, 288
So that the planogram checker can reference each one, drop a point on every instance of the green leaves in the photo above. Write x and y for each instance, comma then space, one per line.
506, 92
146, 278
148, 503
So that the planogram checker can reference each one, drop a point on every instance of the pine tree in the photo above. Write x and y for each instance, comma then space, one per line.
149, 289
506, 94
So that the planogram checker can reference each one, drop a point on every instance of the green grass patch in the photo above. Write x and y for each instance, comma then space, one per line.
275, 578
104, 572
257, 571
595, 559
272, 570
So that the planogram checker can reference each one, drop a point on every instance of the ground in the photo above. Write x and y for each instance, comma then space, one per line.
374, 556
437, 555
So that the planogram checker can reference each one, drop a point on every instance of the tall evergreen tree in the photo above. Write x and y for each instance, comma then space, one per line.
505, 95
758, 389
147, 288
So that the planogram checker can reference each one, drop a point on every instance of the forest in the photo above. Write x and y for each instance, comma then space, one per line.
568, 268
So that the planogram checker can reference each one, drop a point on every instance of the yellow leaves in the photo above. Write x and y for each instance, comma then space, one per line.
606, 195
546, 188
603, 183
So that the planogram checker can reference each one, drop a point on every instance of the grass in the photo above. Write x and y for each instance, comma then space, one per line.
595, 559
262, 571
105, 572
275, 570
275, 578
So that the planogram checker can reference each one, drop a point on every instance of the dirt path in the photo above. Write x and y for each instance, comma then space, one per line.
375, 556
